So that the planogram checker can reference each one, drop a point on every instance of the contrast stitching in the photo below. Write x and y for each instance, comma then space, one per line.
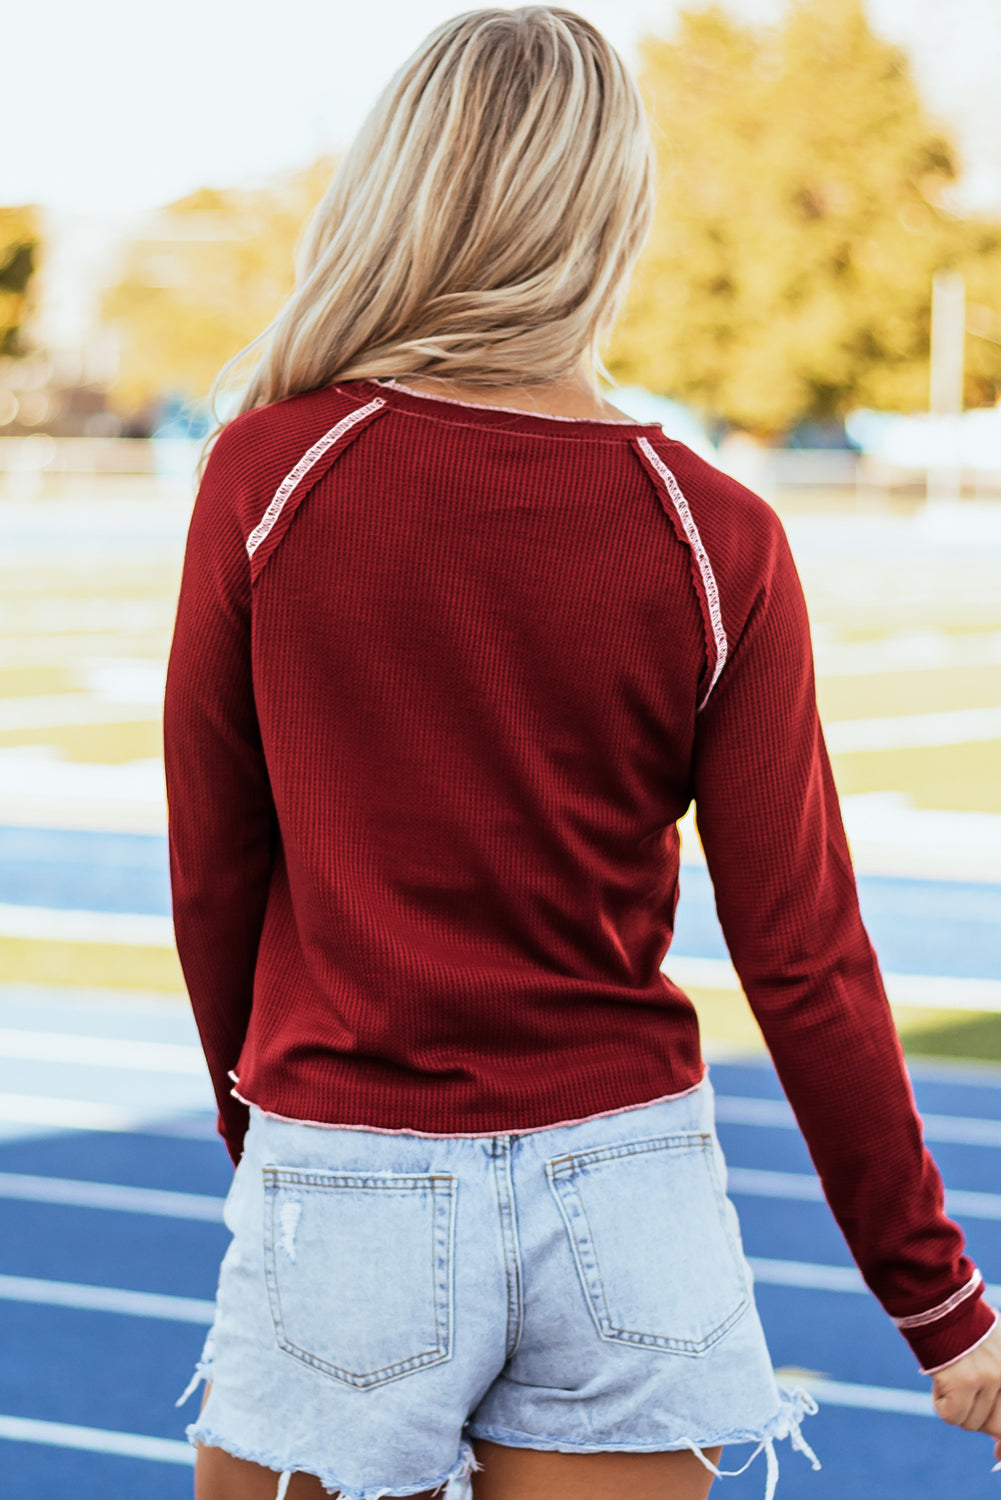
584, 1251
982, 1339
686, 1140
918, 1320
583, 435
515, 411
701, 557
504, 1187
302, 468
442, 1190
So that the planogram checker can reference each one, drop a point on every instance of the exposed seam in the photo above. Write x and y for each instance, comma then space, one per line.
515, 411
302, 468
471, 1135
956, 1357
457, 421
918, 1320
203, 1369
691, 531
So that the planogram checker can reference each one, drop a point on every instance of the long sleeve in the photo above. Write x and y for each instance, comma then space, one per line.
221, 816
768, 816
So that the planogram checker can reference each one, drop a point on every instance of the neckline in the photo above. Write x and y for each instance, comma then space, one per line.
485, 410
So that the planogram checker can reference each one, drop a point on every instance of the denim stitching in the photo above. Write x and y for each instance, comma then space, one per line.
444, 1193
442, 1190
562, 1173
689, 1140
501, 1152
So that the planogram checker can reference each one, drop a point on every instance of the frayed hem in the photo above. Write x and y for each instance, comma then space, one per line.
455, 1482
795, 1405
203, 1370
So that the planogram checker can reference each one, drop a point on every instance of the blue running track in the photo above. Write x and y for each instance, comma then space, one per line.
111, 1238
918, 926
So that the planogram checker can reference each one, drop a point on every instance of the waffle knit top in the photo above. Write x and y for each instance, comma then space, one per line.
443, 680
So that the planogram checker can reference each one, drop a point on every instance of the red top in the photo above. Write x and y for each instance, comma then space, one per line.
443, 680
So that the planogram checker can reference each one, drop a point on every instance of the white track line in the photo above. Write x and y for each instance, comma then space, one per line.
799, 1185
166, 1450
776, 1114
957, 726
111, 1195
66, 1114
103, 1052
869, 1397
49, 924
924, 991
811, 1277
816, 1278
915, 651
106, 1299
95, 1440
56, 710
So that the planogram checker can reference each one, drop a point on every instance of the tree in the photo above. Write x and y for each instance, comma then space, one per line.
209, 274
19, 240
801, 215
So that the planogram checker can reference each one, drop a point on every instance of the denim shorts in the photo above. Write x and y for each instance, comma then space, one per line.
388, 1296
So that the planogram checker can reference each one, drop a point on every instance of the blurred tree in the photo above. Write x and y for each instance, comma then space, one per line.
801, 216
19, 239
210, 273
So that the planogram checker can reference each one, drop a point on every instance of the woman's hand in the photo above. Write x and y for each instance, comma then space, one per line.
968, 1393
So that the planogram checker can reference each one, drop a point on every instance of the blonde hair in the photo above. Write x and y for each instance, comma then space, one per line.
484, 222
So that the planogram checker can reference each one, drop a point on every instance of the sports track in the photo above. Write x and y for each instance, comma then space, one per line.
112, 1235
110, 1230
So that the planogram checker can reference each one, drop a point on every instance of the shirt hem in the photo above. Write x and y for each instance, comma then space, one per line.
935, 1369
472, 1135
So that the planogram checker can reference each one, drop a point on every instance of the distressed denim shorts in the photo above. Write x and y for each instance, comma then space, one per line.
389, 1296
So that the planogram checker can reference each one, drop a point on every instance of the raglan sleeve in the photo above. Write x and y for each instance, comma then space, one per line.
221, 815
769, 820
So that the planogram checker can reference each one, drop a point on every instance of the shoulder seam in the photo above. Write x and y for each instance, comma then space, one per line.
701, 557
301, 468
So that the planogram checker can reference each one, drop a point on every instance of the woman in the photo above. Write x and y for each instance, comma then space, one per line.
457, 645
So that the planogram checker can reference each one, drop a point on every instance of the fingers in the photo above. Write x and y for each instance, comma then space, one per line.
992, 1422
979, 1411
976, 1409
952, 1405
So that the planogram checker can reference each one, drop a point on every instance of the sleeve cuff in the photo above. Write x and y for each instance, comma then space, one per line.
957, 1357
945, 1333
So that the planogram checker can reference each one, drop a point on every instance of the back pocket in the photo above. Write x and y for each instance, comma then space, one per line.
655, 1253
359, 1270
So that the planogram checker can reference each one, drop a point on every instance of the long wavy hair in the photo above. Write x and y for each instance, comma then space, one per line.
483, 224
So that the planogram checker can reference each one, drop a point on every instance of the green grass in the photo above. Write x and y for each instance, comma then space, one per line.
973, 1036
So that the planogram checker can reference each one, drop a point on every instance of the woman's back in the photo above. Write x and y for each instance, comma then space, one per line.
477, 652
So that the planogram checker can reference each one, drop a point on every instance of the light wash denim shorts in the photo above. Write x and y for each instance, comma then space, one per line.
388, 1296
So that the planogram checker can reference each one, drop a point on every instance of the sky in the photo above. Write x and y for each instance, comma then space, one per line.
115, 106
